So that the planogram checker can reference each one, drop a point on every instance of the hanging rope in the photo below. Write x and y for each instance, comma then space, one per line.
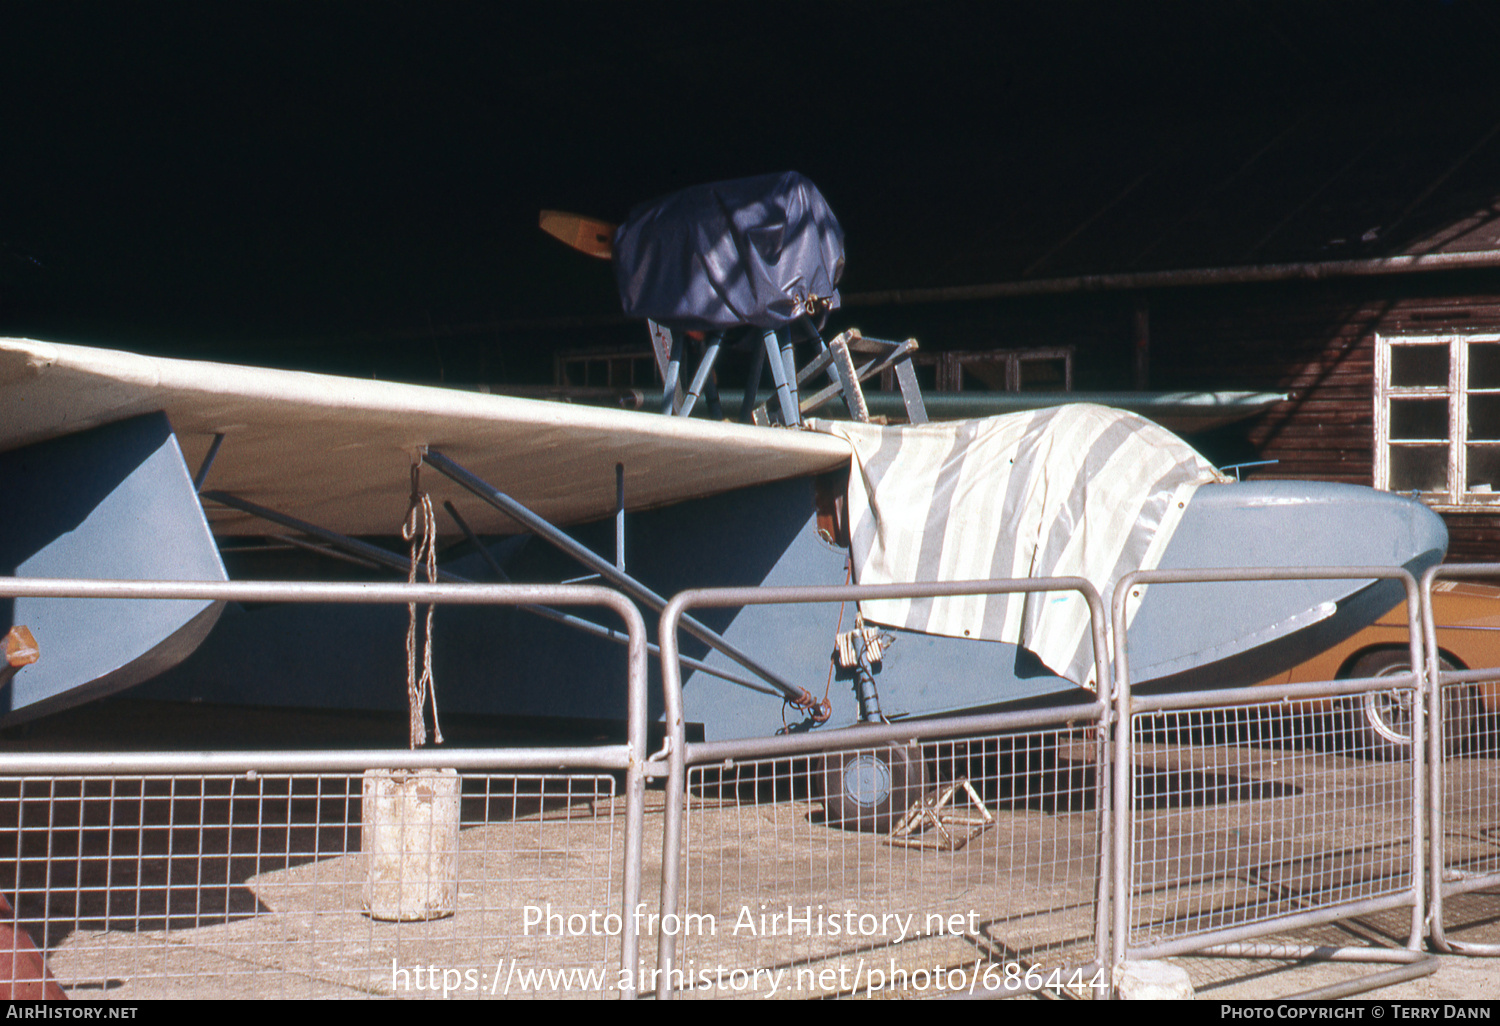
420, 530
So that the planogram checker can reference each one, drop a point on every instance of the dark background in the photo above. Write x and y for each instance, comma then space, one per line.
355, 186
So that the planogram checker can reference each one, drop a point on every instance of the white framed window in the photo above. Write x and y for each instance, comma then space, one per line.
992, 370
1437, 418
605, 368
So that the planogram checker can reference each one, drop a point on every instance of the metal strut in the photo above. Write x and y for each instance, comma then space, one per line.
382, 557
640, 592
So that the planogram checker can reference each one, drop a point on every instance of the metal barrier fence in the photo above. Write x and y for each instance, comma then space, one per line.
1006, 897
245, 873
257, 885
1463, 750
1244, 813
1071, 840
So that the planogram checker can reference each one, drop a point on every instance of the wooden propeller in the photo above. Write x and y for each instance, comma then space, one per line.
585, 234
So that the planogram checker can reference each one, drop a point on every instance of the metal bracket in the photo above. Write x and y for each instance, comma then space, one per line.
838, 360
926, 825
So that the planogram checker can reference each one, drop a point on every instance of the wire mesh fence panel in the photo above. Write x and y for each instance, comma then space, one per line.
1470, 779
1247, 814
896, 869
382, 884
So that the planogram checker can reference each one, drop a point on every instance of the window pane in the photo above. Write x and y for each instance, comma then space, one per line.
1044, 375
1484, 417
1419, 418
1422, 468
982, 375
1484, 365
1484, 469
1418, 366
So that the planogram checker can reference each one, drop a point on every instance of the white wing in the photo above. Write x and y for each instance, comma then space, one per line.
336, 451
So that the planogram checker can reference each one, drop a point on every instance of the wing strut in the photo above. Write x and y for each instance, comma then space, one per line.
391, 560
798, 697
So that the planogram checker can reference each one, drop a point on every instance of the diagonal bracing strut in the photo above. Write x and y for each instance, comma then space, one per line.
641, 593
391, 560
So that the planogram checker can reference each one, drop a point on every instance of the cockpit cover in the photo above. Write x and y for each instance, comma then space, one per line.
755, 251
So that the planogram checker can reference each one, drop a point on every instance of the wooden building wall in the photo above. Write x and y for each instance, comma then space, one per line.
1316, 341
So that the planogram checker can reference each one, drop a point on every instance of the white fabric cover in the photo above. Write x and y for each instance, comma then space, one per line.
1071, 491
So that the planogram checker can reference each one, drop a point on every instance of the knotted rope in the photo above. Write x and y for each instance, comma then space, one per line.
420, 530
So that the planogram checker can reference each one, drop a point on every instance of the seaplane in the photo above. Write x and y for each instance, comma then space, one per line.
125, 466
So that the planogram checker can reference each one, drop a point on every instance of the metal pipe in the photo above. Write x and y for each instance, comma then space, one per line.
636, 711
612, 758
1123, 793
1322, 952
326, 551
208, 461
473, 539
789, 361
671, 831
1208, 406
1275, 693
601, 566
705, 368
1307, 271
867, 696
670, 375
784, 389
620, 517
870, 735
1280, 924
1416, 964
588, 626
374, 553
1423, 965
1178, 278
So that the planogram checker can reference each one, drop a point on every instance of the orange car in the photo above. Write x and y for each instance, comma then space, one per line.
1468, 634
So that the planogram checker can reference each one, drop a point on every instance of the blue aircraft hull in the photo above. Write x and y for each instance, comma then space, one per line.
150, 525
114, 503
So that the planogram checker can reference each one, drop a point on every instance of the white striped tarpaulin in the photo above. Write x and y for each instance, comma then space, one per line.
1077, 490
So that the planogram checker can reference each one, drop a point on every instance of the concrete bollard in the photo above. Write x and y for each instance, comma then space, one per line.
1152, 981
409, 835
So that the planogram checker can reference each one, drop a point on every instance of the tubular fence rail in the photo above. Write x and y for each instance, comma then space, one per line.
1462, 748
1033, 850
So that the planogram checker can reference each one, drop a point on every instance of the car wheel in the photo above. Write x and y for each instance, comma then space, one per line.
871, 790
1383, 719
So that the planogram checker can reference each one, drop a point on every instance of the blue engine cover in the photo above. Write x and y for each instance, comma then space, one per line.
754, 251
